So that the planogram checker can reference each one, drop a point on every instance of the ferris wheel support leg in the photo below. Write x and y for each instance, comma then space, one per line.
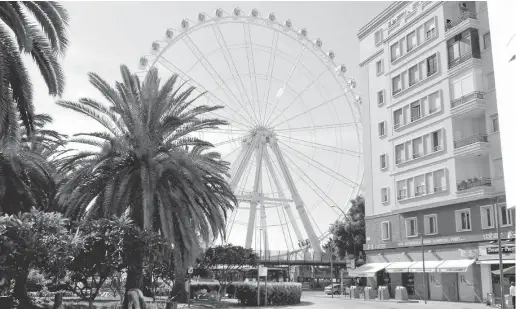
255, 193
241, 163
300, 205
287, 206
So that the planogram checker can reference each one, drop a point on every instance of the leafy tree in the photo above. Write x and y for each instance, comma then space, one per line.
100, 257
349, 234
39, 29
146, 163
34, 240
226, 259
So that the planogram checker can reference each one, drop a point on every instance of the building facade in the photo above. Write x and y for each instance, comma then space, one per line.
433, 161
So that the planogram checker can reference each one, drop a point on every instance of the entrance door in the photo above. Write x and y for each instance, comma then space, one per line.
407, 280
450, 285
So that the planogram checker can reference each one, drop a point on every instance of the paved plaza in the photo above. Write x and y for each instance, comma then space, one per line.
312, 299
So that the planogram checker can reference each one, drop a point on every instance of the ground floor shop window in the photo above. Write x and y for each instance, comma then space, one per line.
407, 280
506, 278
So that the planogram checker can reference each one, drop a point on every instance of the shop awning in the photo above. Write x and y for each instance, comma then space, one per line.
455, 266
367, 270
506, 271
399, 267
430, 266
490, 262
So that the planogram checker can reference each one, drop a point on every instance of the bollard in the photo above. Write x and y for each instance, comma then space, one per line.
401, 293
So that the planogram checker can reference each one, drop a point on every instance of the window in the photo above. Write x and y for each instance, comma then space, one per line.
378, 37
496, 124
487, 217
396, 84
411, 41
431, 65
385, 195
380, 97
395, 51
398, 118
381, 129
436, 143
386, 230
379, 67
411, 227
400, 151
383, 161
413, 75
463, 220
487, 40
463, 46
506, 216
415, 111
430, 29
431, 224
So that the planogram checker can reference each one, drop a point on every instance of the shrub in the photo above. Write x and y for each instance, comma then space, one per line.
278, 293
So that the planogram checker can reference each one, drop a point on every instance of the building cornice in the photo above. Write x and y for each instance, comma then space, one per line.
381, 18
408, 25
378, 53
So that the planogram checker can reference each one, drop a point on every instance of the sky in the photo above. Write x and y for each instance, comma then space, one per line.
104, 35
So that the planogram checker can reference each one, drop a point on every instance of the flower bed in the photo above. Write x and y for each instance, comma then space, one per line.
278, 293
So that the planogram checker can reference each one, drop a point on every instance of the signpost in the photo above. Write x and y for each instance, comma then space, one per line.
190, 272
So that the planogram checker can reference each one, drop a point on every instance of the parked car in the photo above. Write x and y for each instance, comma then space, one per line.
336, 289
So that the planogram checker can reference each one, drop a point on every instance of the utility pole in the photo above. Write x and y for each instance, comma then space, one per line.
499, 240
423, 260
332, 249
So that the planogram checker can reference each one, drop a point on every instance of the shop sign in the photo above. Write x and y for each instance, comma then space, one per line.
506, 249
453, 270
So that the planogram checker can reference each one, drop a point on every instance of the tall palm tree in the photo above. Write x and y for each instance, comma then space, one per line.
39, 29
146, 163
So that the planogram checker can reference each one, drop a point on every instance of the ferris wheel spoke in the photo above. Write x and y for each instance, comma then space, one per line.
231, 65
314, 128
232, 152
304, 177
290, 73
313, 108
271, 123
270, 68
315, 145
213, 73
230, 141
252, 68
174, 69
323, 168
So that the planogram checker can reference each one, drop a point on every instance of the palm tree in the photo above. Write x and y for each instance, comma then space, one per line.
147, 164
26, 174
39, 29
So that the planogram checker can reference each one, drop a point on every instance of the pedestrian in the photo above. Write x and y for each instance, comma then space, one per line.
512, 292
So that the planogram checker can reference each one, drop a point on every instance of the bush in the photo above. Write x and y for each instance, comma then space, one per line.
278, 293
109, 306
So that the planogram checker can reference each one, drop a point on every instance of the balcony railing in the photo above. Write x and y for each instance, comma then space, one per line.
396, 91
464, 16
473, 183
476, 95
415, 117
476, 138
420, 190
416, 155
398, 124
399, 160
413, 82
437, 148
463, 58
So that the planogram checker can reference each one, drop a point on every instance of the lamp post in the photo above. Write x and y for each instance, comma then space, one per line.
499, 240
423, 260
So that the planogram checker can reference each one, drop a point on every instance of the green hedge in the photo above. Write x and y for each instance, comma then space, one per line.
278, 293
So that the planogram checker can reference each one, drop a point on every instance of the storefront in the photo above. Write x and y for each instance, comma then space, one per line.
373, 273
488, 261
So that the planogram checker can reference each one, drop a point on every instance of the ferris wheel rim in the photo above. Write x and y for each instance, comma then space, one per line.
328, 63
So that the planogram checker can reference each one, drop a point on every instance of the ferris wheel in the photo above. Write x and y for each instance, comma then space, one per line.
294, 138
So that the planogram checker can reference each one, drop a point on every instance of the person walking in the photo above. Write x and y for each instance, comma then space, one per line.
512, 292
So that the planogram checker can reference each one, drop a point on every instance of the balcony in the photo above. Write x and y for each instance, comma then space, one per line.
475, 187
459, 60
468, 103
474, 144
465, 20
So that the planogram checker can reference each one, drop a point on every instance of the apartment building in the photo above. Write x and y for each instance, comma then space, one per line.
433, 162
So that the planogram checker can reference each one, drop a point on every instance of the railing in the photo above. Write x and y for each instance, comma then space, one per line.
394, 92
413, 82
476, 95
476, 138
399, 160
431, 72
420, 190
455, 62
415, 117
398, 124
433, 110
473, 183
416, 155
437, 148
298, 257
464, 16
438, 189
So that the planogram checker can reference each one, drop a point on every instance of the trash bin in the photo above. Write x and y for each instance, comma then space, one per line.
508, 301
491, 301
383, 293
354, 292
369, 293
401, 293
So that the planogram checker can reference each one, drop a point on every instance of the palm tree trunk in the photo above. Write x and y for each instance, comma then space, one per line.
20, 290
179, 290
133, 296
